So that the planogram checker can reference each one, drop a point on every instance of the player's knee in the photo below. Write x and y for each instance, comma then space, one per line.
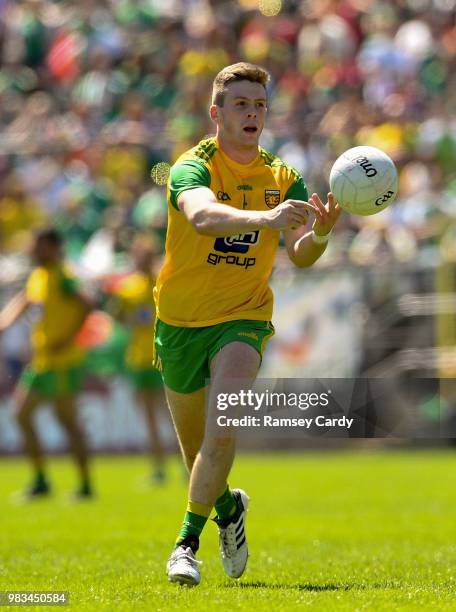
69, 424
190, 453
189, 461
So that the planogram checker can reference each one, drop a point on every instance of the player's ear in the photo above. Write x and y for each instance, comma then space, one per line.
213, 112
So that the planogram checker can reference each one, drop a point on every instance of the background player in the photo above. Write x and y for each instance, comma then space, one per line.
57, 310
228, 201
134, 306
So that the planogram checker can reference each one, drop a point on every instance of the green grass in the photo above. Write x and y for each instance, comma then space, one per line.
328, 531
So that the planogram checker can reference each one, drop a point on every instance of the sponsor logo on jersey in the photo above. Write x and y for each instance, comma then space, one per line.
223, 196
244, 188
233, 260
271, 197
236, 244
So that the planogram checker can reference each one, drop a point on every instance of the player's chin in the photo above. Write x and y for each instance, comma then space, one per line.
250, 135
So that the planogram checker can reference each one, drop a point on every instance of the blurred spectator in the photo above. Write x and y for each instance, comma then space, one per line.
94, 95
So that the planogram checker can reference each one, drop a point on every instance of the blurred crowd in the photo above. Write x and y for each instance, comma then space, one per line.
96, 95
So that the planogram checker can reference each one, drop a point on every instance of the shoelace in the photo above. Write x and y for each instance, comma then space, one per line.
187, 556
225, 553
229, 543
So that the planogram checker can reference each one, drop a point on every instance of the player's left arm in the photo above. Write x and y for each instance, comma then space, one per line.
306, 244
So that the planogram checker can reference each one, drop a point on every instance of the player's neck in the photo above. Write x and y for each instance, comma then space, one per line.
144, 270
239, 155
49, 264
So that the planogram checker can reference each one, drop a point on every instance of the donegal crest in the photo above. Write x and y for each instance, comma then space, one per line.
271, 197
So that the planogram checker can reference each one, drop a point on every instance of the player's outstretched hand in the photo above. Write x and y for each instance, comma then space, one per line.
326, 215
290, 214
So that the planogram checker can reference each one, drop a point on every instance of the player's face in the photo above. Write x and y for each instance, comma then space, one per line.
45, 252
143, 259
241, 118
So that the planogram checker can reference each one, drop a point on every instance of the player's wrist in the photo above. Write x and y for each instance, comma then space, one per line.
320, 238
266, 219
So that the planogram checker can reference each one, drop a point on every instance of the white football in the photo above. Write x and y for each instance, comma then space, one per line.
364, 180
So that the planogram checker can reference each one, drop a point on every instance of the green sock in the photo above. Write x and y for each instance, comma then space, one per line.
194, 520
225, 505
41, 477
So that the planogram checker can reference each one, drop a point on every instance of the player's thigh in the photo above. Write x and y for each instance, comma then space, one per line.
148, 387
188, 411
181, 355
238, 348
233, 368
65, 408
25, 401
150, 402
237, 360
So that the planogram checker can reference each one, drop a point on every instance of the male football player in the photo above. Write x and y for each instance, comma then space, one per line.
229, 199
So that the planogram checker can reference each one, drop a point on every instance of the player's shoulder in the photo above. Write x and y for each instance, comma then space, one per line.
191, 169
289, 179
36, 283
202, 153
66, 269
36, 275
279, 166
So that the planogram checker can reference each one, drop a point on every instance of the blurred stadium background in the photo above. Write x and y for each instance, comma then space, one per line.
99, 97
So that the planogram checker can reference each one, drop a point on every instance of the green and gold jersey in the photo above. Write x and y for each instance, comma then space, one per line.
207, 280
135, 294
54, 311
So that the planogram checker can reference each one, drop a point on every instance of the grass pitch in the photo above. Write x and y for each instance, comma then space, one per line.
327, 531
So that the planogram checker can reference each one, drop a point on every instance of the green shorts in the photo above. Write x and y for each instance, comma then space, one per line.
145, 379
53, 383
183, 354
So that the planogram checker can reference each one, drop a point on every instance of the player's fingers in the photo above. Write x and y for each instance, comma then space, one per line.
319, 204
320, 216
337, 211
334, 214
298, 203
316, 200
320, 211
331, 202
302, 205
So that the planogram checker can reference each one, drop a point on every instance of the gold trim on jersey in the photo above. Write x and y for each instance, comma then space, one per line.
206, 149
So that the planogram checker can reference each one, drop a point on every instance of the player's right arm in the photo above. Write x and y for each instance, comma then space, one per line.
189, 190
15, 308
210, 218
